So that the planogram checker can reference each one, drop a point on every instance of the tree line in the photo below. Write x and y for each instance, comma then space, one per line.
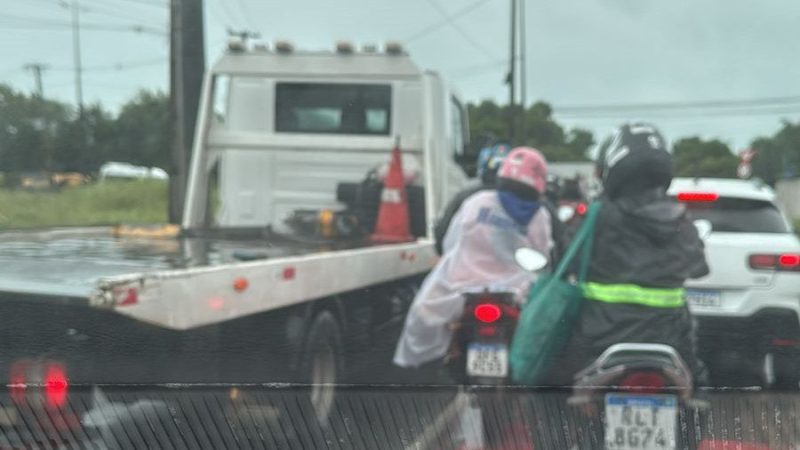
39, 134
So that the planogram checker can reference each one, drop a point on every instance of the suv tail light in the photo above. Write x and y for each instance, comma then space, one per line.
487, 312
644, 382
788, 262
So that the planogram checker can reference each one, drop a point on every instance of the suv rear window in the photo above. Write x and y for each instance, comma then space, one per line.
333, 108
738, 215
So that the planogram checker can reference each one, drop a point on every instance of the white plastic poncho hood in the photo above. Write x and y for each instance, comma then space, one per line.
478, 254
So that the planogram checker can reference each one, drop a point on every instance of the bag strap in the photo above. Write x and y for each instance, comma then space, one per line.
586, 254
585, 231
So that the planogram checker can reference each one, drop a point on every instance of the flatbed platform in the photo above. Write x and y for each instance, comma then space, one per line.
92, 266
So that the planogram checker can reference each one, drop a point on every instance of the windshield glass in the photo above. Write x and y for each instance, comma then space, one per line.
427, 224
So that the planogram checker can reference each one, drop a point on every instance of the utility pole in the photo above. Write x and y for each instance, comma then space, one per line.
37, 69
523, 82
76, 53
187, 68
512, 73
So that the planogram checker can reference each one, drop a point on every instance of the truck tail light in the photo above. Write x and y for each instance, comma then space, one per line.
785, 262
703, 197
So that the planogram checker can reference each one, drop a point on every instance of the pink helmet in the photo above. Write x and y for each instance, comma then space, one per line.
525, 165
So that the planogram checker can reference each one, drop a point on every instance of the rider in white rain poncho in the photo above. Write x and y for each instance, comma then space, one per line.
478, 254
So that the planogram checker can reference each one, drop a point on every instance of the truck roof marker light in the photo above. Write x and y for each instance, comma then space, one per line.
394, 48
236, 46
131, 297
344, 48
240, 284
705, 197
283, 47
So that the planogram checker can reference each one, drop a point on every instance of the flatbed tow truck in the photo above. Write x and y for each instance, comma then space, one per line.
234, 294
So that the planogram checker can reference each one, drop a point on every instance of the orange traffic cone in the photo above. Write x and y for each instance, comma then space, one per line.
393, 221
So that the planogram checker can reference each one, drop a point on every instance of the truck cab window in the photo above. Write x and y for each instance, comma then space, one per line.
333, 108
220, 99
457, 127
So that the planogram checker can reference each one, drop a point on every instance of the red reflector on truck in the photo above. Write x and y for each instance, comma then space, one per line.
698, 196
488, 312
131, 297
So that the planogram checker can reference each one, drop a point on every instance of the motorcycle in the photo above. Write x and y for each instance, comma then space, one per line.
482, 337
634, 396
480, 345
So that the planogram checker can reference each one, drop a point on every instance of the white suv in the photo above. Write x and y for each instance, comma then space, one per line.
748, 307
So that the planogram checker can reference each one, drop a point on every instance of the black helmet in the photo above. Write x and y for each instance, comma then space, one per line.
634, 158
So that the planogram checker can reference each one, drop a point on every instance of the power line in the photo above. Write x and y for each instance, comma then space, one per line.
742, 112
142, 29
242, 9
155, 3
477, 45
436, 26
701, 104
228, 12
120, 65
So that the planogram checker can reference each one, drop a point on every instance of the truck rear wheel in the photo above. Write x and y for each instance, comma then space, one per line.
787, 371
323, 364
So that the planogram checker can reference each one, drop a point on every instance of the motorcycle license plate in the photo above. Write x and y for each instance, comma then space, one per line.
641, 422
487, 360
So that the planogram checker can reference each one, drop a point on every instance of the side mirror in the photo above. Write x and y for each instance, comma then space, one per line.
704, 228
530, 259
565, 213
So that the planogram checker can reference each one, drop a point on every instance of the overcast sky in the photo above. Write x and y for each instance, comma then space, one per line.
580, 52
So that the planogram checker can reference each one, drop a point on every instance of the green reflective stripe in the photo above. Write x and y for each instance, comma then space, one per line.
631, 293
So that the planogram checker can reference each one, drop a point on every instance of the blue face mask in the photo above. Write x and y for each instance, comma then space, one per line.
521, 210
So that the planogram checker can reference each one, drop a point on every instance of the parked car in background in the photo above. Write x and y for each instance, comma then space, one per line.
123, 170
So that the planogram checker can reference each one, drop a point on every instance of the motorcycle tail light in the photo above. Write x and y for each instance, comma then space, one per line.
487, 312
643, 382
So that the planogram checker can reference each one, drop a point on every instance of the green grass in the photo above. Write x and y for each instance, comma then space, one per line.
102, 203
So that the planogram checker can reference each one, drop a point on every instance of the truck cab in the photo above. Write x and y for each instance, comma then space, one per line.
278, 130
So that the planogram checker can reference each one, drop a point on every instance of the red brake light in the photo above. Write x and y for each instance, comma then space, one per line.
789, 260
698, 196
581, 209
783, 262
487, 312
55, 385
644, 382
